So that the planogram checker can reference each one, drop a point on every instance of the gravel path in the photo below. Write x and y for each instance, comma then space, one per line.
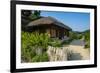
78, 50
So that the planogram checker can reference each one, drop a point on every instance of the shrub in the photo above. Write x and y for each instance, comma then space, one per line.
34, 46
55, 42
87, 39
26, 51
40, 58
73, 35
31, 42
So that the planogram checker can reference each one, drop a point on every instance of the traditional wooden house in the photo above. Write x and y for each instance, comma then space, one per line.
49, 25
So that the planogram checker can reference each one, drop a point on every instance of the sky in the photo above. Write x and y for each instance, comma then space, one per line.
78, 21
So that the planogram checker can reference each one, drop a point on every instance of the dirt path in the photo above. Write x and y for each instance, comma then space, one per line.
78, 50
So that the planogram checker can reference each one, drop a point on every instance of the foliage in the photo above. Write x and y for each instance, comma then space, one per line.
40, 58
27, 16
35, 15
26, 50
26, 13
80, 36
55, 42
32, 41
73, 35
87, 38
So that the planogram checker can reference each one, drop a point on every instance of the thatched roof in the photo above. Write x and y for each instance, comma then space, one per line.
48, 21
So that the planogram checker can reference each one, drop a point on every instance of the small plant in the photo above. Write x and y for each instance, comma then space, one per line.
55, 42
40, 58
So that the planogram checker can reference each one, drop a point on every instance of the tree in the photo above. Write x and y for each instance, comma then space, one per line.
35, 15
28, 16
26, 13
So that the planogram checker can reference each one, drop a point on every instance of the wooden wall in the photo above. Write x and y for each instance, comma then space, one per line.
57, 32
52, 30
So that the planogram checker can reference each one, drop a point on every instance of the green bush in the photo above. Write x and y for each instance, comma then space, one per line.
87, 39
55, 42
40, 58
26, 51
73, 35
31, 42
34, 46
